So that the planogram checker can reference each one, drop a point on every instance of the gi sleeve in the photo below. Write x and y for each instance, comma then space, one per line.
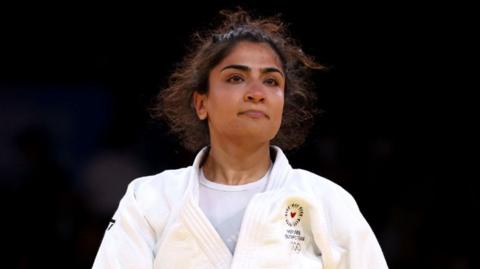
361, 249
129, 239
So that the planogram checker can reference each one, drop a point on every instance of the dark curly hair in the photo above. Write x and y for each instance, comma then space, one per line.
175, 103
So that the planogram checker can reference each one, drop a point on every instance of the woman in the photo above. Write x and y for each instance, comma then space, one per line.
241, 96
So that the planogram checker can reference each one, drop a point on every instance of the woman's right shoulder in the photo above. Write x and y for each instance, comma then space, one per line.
153, 197
167, 185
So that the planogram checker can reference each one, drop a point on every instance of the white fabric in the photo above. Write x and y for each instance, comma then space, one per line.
301, 220
224, 205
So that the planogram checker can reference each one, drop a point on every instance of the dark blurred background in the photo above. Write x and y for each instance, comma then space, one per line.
75, 82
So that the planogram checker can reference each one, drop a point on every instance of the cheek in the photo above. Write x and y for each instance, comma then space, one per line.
222, 105
222, 101
279, 104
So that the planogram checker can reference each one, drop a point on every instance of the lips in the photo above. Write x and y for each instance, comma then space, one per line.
256, 114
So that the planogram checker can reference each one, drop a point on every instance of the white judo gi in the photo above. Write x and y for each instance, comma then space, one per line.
302, 220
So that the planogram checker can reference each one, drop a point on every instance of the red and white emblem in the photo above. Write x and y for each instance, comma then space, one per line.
293, 214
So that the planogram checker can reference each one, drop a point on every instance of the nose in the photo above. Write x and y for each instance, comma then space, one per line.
255, 94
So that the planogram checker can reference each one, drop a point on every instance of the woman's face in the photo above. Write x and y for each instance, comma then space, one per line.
245, 98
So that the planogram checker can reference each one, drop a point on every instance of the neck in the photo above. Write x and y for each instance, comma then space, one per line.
233, 164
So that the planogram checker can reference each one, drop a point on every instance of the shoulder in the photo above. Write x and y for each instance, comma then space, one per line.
332, 199
162, 188
341, 209
322, 187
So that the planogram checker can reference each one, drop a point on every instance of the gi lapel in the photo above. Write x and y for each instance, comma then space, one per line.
199, 225
255, 213
208, 238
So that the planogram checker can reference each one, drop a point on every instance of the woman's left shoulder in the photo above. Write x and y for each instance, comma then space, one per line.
322, 187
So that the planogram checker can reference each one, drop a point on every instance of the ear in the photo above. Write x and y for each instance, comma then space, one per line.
199, 101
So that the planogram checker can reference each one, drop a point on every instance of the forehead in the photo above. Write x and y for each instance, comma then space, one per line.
253, 55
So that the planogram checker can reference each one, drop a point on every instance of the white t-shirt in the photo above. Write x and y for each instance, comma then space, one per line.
224, 205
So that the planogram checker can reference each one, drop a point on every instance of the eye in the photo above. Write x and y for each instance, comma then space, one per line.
235, 79
271, 82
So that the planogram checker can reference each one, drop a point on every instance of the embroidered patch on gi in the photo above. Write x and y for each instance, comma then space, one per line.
293, 214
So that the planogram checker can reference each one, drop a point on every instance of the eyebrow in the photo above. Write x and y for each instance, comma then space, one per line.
248, 69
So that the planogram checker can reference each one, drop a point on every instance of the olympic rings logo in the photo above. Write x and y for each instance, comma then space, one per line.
295, 246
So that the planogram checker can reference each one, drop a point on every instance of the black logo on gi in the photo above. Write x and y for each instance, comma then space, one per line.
293, 214
110, 224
